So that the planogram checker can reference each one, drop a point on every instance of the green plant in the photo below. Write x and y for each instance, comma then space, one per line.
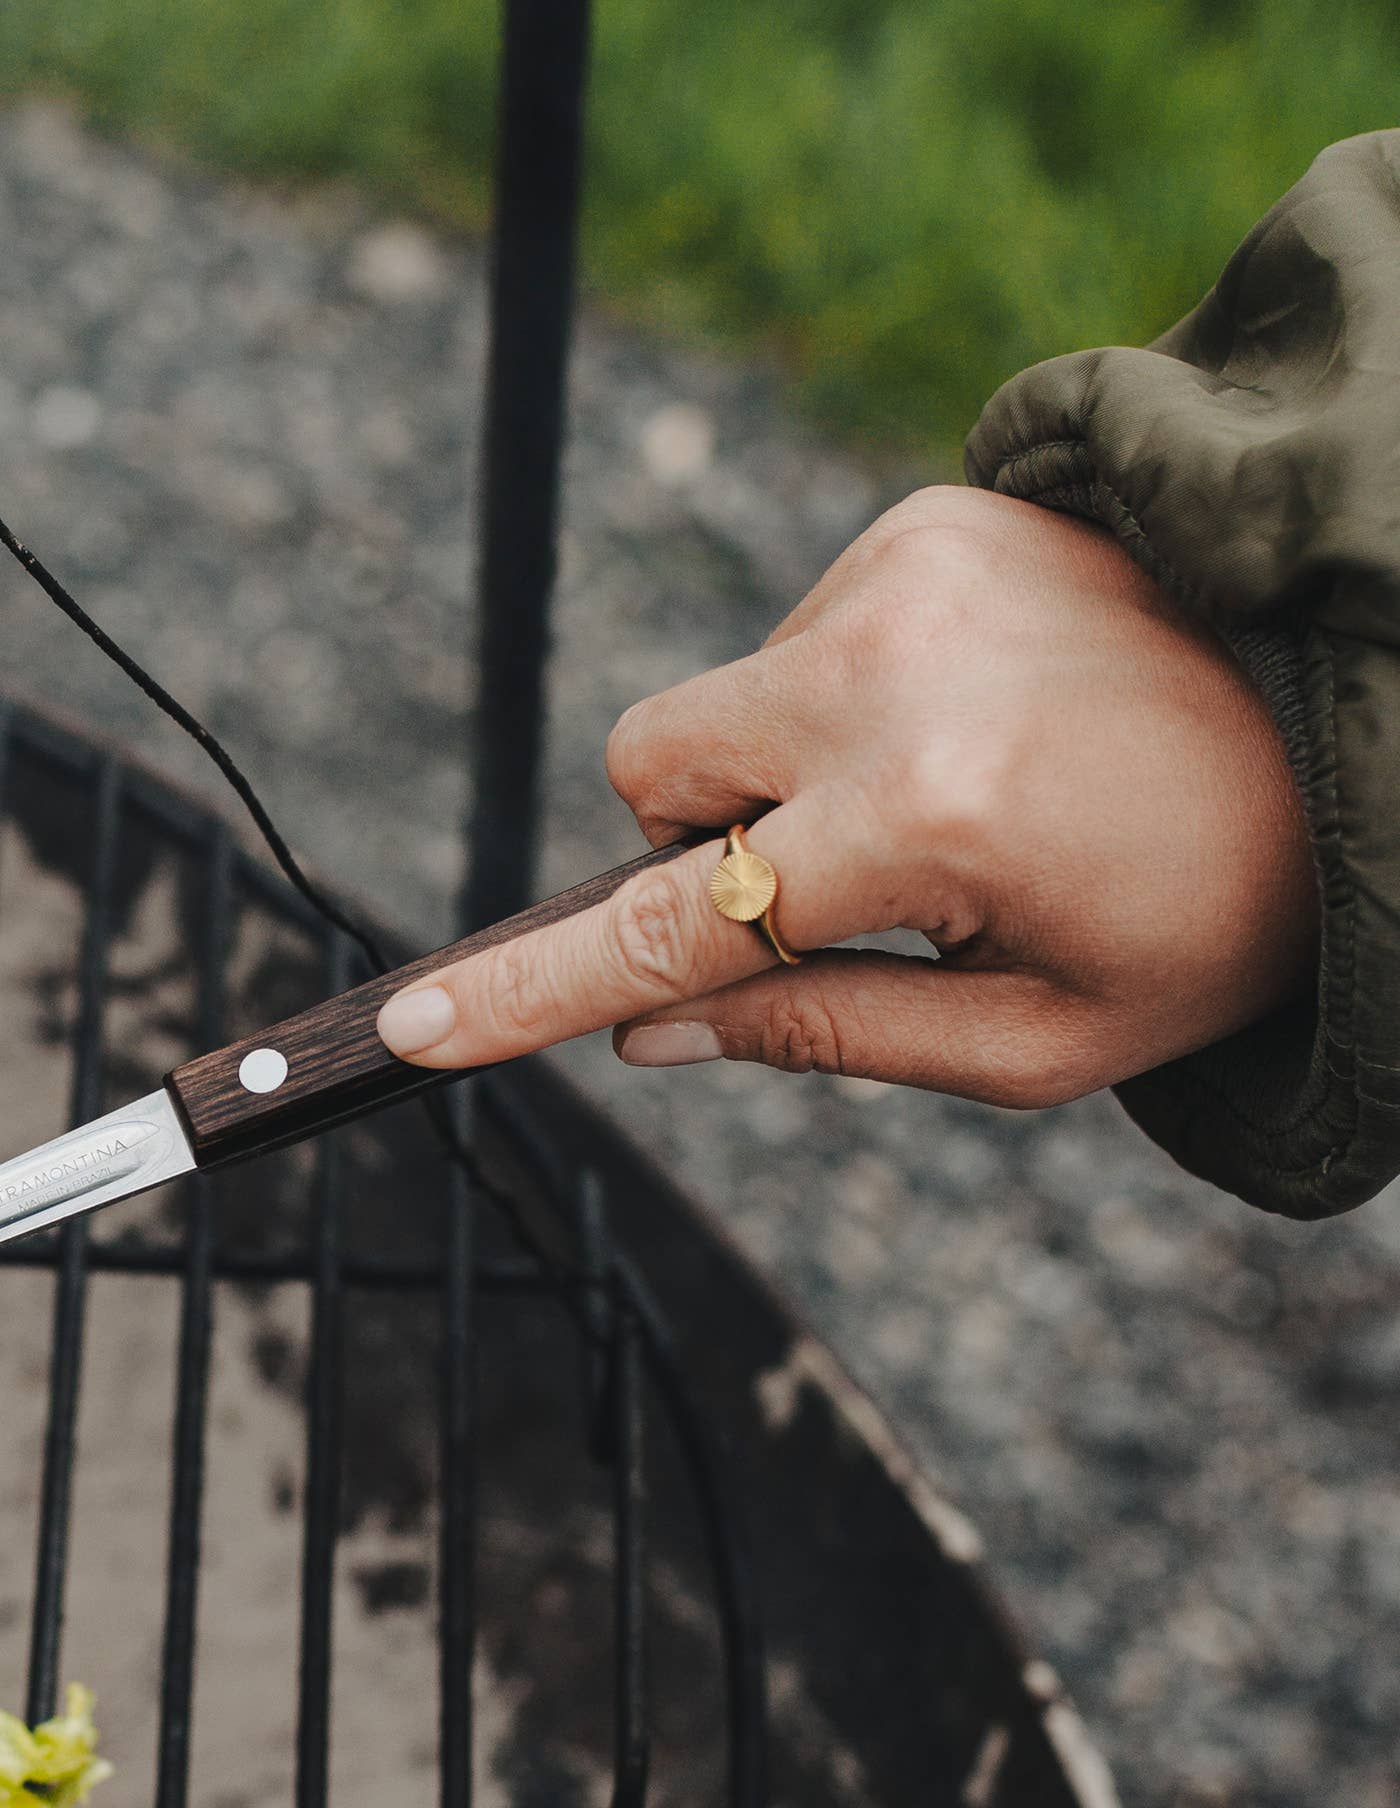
55, 1764
902, 203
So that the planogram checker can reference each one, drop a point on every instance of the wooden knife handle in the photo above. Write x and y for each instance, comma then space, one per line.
336, 1067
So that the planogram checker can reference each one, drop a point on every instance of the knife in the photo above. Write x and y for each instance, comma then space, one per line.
322, 1067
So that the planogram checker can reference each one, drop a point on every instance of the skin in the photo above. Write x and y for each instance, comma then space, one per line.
984, 723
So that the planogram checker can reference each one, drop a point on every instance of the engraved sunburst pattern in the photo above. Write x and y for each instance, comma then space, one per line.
743, 886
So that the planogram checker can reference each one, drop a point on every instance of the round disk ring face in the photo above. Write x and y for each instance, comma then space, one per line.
743, 886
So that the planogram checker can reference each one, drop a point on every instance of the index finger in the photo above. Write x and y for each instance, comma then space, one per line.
656, 942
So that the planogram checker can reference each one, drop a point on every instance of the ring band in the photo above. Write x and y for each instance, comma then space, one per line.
745, 889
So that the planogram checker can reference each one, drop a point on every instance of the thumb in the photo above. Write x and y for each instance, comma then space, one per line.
1005, 1038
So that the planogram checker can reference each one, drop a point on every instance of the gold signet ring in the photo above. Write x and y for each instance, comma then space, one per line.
745, 889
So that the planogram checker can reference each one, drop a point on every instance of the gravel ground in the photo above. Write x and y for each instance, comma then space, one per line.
242, 426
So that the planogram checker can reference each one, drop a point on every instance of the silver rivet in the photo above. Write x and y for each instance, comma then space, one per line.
263, 1070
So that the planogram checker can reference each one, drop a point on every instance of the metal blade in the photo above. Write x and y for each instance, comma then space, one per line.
128, 1151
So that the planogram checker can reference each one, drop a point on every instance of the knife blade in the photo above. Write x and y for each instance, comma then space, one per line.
322, 1067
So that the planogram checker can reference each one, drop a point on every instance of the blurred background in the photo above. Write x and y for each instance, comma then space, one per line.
901, 203
242, 329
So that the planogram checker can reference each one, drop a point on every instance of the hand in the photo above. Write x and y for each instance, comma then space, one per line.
985, 723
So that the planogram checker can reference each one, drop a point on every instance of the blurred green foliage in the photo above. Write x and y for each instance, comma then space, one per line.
905, 200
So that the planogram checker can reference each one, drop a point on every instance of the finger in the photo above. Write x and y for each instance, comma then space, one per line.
720, 748
658, 940
1005, 1038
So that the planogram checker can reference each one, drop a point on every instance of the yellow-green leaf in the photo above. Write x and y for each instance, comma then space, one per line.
56, 1764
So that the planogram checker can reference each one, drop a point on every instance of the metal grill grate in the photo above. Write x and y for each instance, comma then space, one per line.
539, 151
128, 810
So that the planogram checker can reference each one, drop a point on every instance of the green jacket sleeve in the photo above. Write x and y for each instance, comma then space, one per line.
1250, 460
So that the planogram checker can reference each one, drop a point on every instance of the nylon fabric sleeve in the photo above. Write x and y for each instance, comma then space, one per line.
1250, 460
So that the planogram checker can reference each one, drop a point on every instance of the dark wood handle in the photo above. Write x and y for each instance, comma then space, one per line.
336, 1065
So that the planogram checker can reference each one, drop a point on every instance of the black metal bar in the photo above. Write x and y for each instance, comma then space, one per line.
458, 1536
70, 1298
537, 188
596, 1318
320, 1519
726, 1533
7, 729
632, 1735
196, 1328
370, 1276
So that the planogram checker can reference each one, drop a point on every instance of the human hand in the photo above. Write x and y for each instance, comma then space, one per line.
986, 723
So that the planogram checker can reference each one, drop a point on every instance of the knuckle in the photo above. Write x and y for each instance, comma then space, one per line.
625, 753
953, 505
514, 1001
925, 577
664, 804
940, 521
799, 1035
952, 797
650, 943
929, 506
942, 565
908, 555
886, 599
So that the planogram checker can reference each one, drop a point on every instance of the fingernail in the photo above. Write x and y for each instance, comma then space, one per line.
413, 1021
670, 1045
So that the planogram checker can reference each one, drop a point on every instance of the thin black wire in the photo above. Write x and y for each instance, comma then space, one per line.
193, 727
190, 723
